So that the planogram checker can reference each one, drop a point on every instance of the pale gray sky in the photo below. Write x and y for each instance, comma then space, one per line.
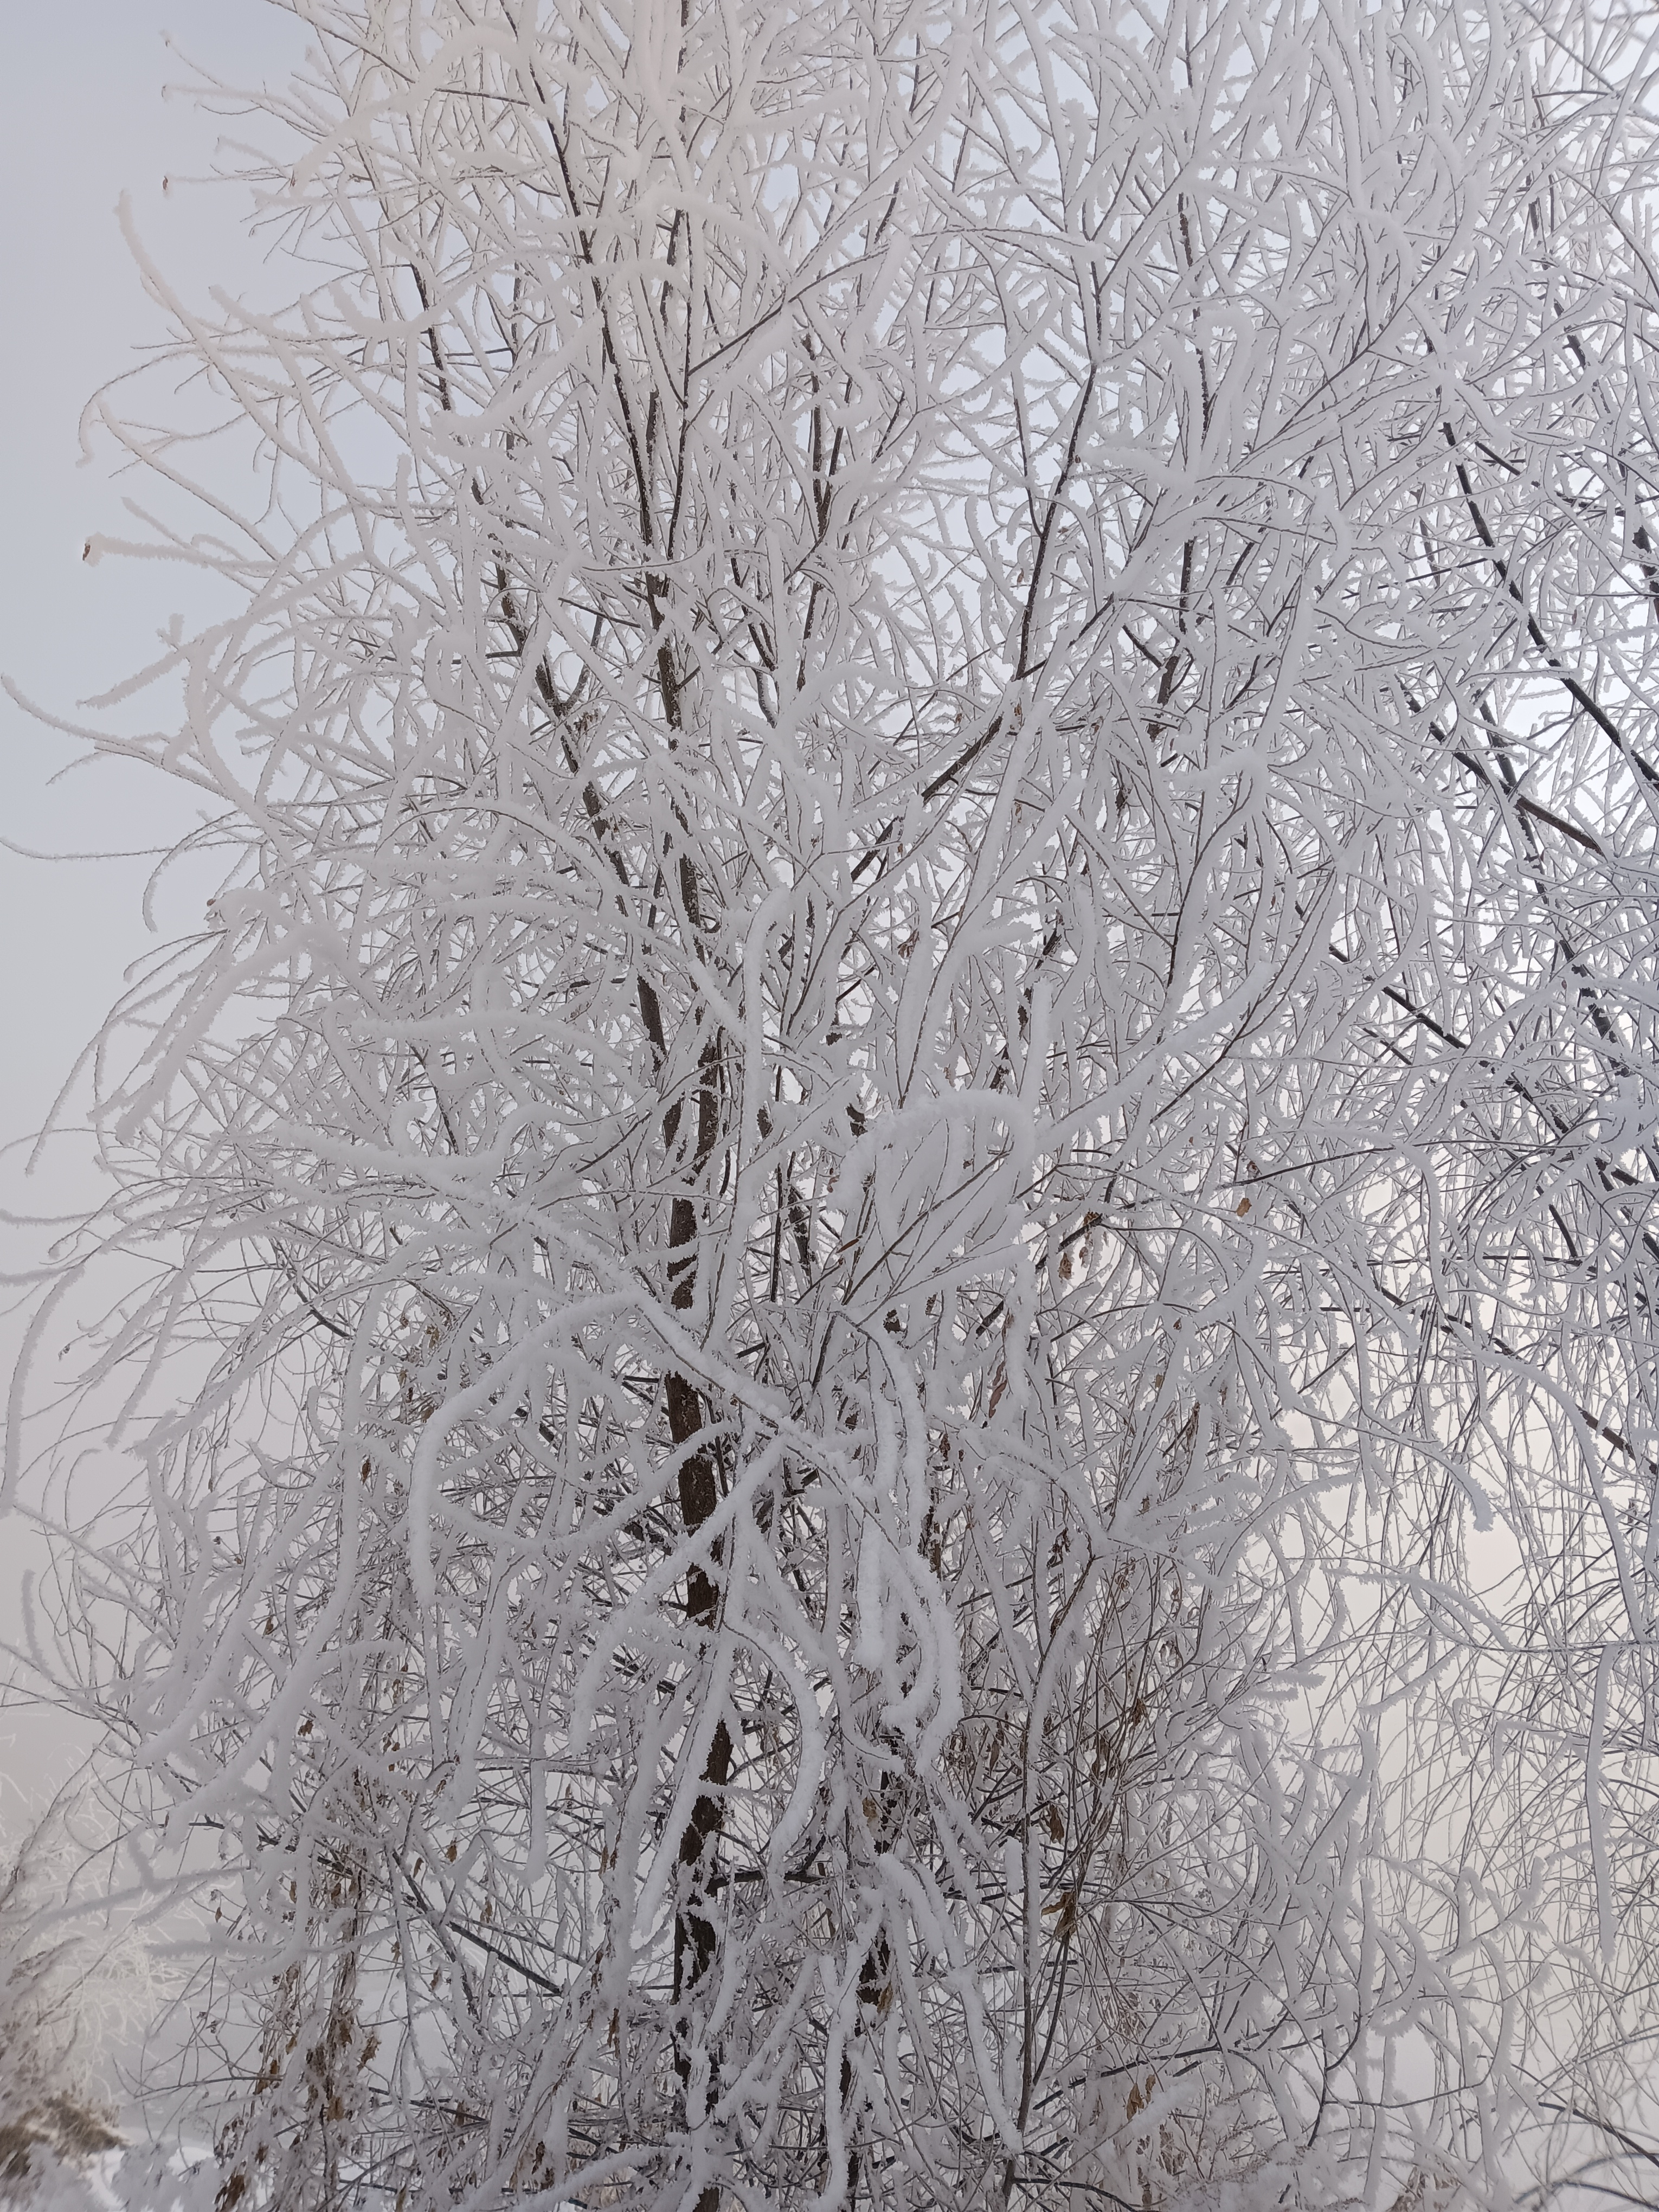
83, 119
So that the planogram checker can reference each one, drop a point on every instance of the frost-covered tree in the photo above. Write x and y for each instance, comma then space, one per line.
67, 1979
885, 1282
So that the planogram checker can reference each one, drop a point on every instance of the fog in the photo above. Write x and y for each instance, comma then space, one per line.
87, 118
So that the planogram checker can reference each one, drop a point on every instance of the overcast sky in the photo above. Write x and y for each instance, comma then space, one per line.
85, 119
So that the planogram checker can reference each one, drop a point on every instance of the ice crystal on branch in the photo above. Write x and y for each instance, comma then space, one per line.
910, 1153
